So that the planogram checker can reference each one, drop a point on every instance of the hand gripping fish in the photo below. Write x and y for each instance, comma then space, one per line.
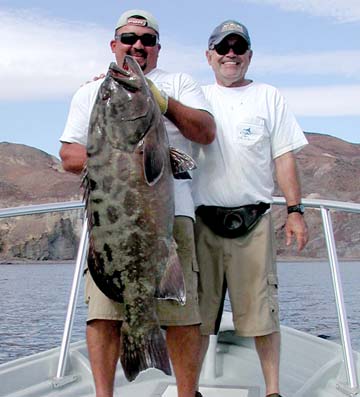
129, 197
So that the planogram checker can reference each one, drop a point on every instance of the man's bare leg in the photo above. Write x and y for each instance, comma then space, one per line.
268, 348
103, 341
183, 343
205, 339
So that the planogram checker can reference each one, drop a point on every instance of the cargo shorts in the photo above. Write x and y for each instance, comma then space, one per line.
170, 313
246, 268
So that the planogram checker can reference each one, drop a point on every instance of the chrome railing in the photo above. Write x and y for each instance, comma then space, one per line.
352, 386
40, 208
60, 379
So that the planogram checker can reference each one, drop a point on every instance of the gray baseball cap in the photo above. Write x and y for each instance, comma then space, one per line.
225, 29
138, 18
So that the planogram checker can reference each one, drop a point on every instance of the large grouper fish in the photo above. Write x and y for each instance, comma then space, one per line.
129, 196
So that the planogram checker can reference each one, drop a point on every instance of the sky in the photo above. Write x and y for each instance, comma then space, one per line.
309, 49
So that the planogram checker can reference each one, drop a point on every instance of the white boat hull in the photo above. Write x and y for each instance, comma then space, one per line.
310, 366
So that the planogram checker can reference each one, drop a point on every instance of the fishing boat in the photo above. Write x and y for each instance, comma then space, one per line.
310, 366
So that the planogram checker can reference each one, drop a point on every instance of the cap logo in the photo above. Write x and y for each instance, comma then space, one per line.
137, 21
232, 26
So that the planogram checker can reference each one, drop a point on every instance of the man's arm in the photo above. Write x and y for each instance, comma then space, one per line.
73, 157
288, 180
196, 125
199, 127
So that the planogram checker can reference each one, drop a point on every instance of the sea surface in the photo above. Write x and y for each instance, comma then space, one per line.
34, 299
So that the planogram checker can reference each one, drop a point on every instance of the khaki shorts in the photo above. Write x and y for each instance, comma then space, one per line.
246, 267
170, 313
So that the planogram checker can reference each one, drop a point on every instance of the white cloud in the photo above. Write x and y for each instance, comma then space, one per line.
330, 101
341, 10
44, 58
338, 63
47, 58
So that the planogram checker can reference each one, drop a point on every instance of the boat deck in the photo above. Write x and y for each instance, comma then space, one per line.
310, 366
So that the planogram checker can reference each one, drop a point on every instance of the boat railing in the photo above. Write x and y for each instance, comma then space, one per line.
325, 206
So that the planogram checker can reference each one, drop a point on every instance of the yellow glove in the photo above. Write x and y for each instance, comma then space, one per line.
160, 96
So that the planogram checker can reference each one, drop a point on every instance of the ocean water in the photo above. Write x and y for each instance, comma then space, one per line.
34, 299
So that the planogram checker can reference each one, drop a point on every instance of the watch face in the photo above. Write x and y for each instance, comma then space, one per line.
296, 208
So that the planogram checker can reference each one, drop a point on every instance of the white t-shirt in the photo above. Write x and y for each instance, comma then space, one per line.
254, 126
179, 86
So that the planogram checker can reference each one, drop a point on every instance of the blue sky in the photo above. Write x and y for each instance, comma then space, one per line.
309, 49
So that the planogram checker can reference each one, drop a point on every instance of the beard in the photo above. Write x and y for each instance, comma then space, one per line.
139, 53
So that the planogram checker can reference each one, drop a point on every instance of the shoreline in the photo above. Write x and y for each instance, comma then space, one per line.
37, 262
72, 261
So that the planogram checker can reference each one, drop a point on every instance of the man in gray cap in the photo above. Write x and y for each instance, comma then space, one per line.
187, 119
233, 186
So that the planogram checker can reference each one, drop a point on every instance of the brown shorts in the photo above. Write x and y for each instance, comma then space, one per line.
246, 267
170, 313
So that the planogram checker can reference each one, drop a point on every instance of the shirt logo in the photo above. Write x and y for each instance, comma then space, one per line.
246, 133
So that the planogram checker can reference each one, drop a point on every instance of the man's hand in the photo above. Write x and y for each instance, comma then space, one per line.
101, 76
160, 96
295, 225
73, 157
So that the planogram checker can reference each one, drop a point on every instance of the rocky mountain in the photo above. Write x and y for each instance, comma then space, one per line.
328, 167
31, 176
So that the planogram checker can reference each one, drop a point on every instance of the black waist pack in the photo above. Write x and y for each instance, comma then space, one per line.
231, 222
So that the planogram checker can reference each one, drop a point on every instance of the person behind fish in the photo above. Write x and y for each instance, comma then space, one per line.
187, 118
233, 186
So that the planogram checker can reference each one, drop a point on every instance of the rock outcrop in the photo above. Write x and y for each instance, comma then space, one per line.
31, 176
329, 169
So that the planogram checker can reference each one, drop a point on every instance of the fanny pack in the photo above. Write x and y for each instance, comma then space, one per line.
231, 222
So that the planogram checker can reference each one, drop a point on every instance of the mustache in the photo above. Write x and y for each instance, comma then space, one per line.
140, 52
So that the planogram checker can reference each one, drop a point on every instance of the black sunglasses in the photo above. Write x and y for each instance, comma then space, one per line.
147, 39
239, 47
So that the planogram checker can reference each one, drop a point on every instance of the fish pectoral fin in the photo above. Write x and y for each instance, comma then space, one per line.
172, 284
141, 353
181, 163
153, 162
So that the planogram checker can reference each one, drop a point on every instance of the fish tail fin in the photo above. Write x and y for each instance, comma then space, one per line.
172, 284
139, 355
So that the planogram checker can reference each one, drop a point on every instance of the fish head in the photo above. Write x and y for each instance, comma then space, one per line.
124, 108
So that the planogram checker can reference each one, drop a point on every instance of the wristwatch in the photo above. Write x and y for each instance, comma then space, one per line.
296, 208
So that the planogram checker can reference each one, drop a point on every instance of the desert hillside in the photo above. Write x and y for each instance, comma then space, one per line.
329, 169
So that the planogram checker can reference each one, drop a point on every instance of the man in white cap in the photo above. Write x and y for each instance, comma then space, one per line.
187, 118
233, 184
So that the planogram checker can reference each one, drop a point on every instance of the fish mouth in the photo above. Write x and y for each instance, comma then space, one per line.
125, 65
118, 72
128, 73
129, 68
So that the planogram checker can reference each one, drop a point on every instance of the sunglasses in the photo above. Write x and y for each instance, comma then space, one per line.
147, 39
239, 47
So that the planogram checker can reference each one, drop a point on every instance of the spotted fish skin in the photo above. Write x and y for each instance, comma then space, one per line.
129, 197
